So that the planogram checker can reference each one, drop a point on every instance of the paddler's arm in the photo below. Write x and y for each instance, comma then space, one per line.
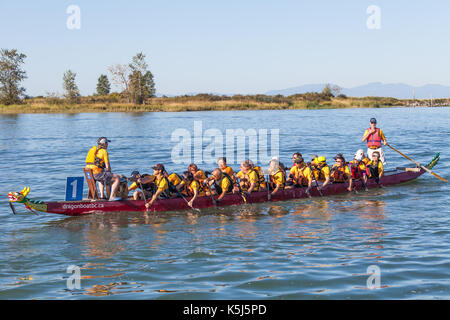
132, 187
225, 187
327, 181
350, 183
366, 134
276, 189
146, 179
221, 195
252, 186
383, 137
191, 202
155, 196
380, 169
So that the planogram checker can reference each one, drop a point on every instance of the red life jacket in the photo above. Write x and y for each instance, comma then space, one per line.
355, 170
374, 139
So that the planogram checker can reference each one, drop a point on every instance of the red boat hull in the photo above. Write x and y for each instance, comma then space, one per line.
89, 207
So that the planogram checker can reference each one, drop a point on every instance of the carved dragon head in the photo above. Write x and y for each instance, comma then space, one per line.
20, 197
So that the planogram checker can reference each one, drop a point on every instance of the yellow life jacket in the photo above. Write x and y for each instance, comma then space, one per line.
262, 181
92, 159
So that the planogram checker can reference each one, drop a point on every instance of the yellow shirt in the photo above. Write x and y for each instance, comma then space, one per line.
135, 185
195, 185
162, 184
380, 168
174, 179
200, 175
102, 154
279, 179
324, 173
301, 172
224, 183
251, 176
229, 171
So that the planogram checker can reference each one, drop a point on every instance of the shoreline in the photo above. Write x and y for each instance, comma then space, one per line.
208, 103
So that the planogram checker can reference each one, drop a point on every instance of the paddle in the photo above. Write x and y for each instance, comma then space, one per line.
209, 189
418, 164
12, 208
314, 178
187, 202
145, 199
241, 192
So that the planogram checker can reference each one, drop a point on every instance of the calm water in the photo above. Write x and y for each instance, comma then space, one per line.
305, 249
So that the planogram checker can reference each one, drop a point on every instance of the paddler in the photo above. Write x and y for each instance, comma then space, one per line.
299, 175
374, 136
321, 171
174, 180
162, 184
198, 174
262, 181
375, 167
341, 173
248, 178
358, 167
222, 183
295, 156
190, 187
97, 159
222, 163
360, 154
146, 181
278, 176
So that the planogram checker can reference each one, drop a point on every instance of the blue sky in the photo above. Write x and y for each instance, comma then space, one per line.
231, 46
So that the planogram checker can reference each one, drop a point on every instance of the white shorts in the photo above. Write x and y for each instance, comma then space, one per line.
380, 150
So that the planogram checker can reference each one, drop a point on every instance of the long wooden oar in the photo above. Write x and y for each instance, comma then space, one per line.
186, 200
145, 199
418, 164
314, 178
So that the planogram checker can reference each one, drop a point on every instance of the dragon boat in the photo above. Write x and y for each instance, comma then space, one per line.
84, 207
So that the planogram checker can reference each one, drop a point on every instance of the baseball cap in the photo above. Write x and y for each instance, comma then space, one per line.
134, 174
373, 120
103, 140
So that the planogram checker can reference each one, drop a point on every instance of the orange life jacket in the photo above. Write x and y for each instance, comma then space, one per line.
339, 174
374, 139
300, 178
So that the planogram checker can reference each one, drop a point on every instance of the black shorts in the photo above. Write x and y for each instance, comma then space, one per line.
104, 177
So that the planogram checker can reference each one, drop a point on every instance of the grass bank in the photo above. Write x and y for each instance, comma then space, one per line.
206, 102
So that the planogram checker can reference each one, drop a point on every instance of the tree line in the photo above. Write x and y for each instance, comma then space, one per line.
135, 80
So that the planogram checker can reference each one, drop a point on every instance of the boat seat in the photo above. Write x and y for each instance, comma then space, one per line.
93, 192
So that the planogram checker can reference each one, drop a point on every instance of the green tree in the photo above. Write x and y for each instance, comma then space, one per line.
103, 85
142, 85
11, 75
70, 87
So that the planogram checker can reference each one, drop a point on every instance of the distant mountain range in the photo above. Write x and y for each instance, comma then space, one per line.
378, 89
